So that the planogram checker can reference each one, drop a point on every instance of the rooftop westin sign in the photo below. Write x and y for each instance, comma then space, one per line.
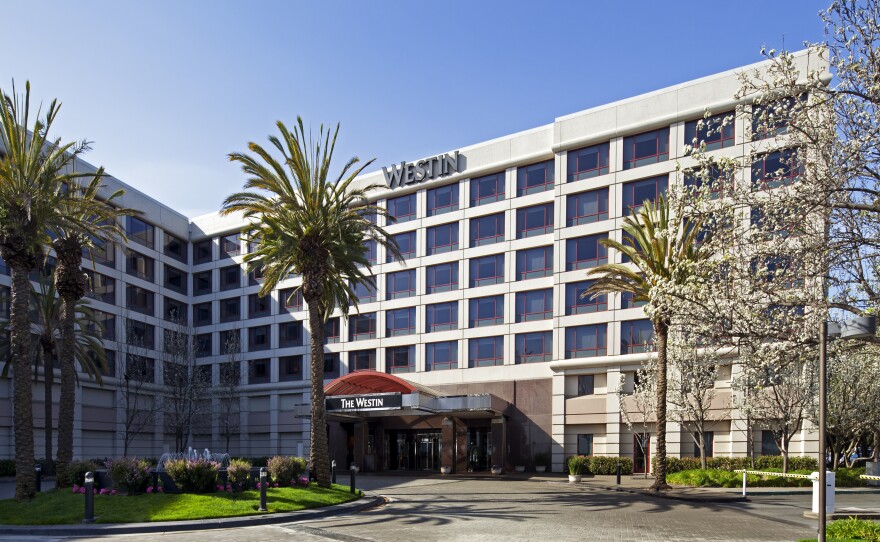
364, 402
423, 170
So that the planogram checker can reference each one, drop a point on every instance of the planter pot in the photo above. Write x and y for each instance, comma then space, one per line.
445, 470
541, 468
574, 478
520, 468
496, 471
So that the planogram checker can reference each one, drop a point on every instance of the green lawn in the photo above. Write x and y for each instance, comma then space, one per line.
62, 506
851, 530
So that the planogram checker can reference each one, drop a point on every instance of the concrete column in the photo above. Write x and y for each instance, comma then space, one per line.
447, 443
557, 448
461, 446
499, 441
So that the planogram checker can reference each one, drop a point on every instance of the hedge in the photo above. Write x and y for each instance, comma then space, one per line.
603, 464
764, 462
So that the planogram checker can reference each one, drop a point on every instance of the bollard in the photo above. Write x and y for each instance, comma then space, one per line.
155, 481
618, 473
333, 471
264, 481
744, 482
39, 472
90, 498
353, 471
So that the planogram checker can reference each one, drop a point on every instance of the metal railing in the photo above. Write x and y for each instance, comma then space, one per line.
746, 472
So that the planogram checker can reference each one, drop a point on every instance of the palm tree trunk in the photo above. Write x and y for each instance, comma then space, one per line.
319, 448
661, 331
23, 414
48, 384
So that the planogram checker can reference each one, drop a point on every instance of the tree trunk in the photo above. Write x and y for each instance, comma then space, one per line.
875, 454
71, 287
48, 384
785, 461
23, 415
702, 455
661, 331
319, 448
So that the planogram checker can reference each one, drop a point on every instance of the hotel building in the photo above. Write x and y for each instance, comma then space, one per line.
474, 350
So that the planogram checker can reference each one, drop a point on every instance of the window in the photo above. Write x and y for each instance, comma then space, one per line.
140, 334
778, 270
365, 292
230, 277
648, 148
175, 279
140, 368
140, 299
708, 444
534, 178
587, 207
230, 309
202, 314
108, 367
290, 334
400, 284
441, 278
108, 324
627, 301
534, 347
588, 162
140, 232
441, 316
586, 341
534, 305
203, 251
443, 238
230, 245
406, 243
486, 352
175, 247
487, 189
291, 368
370, 252
442, 200
400, 322
331, 365
637, 192
258, 338
402, 209
255, 276
362, 326
768, 443
230, 341
140, 266
203, 345
772, 119
258, 306
713, 178
585, 252
400, 359
369, 214
534, 263
362, 360
290, 300
331, 330
230, 373
441, 356
5, 301
585, 444
717, 132
103, 253
780, 168
202, 283
259, 371
486, 311
100, 287
577, 303
175, 311
535, 220
636, 336
486, 230
774, 223
487, 270
586, 385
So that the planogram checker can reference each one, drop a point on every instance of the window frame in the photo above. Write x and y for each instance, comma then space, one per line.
476, 189
524, 188
432, 324
599, 331
430, 355
431, 273
477, 223
431, 196
522, 339
572, 263
522, 219
661, 138
475, 303
572, 202
522, 258
474, 345
574, 174
393, 218
432, 248
391, 316
474, 263
522, 301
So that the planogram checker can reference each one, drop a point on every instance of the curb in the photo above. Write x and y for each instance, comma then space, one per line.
364, 503
671, 495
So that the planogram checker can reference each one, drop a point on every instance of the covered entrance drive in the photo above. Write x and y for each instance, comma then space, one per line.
382, 422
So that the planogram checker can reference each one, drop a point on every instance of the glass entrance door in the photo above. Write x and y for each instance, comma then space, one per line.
412, 450
479, 449
427, 451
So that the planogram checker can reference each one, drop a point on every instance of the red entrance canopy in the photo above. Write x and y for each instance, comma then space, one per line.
363, 382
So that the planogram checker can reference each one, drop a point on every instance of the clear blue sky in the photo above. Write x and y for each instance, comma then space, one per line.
166, 90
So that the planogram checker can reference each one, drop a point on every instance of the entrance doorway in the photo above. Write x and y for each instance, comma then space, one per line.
641, 453
412, 450
479, 449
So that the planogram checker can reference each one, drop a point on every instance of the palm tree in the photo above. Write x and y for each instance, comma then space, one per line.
34, 172
308, 224
89, 220
660, 249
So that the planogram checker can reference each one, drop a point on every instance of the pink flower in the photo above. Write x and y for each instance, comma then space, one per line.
228, 487
258, 485
95, 491
105, 491
276, 484
220, 487
149, 489
82, 490
113, 492
161, 489
75, 488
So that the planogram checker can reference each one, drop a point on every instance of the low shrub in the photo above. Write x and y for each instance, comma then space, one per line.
795, 462
193, 475
602, 464
578, 464
726, 478
7, 467
238, 474
764, 462
853, 529
76, 472
284, 468
130, 474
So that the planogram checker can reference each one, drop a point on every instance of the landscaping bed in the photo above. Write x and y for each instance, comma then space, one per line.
63, 506
727, 478
846, 530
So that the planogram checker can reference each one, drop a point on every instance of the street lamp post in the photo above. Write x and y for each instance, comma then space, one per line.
857, 328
